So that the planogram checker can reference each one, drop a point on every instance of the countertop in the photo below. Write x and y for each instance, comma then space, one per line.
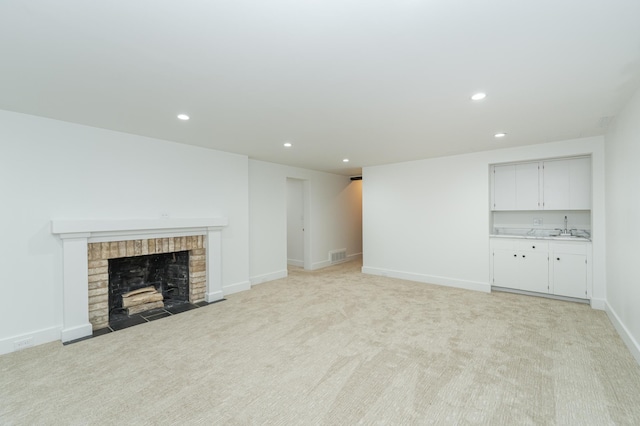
540, 234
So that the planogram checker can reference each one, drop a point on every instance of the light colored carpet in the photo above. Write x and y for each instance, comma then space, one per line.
338, 347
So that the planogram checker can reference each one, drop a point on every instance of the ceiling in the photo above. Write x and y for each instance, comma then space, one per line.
375, 81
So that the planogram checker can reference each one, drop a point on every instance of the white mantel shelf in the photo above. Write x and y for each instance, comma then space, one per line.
97, 227
76, 234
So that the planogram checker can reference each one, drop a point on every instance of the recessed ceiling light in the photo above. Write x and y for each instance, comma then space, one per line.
500, 135
287, 144
345, 160
184, 117
478, 96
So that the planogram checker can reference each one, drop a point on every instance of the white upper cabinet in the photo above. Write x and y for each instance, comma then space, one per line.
527, 185
563, 184
516, 187
567, 184
503, 188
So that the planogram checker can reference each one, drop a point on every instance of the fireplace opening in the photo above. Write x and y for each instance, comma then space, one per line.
145, 283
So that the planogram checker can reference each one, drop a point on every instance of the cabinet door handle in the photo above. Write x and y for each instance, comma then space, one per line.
523, 255
557, 258
515, 255
533, 246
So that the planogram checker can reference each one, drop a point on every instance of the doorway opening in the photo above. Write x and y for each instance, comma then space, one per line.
298, 253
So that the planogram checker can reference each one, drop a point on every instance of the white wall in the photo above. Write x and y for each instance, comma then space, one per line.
429, 220
52, 169
333, 214
295, 222
622, 149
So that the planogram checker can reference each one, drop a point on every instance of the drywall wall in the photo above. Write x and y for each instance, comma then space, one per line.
333, 214
295, 222
622, 150
429, 220
56, 170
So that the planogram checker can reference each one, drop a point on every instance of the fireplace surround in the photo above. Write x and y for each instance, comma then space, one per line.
102, 254
86, 241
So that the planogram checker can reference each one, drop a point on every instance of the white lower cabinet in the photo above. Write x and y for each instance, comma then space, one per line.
522, 265
569, 267
541, 266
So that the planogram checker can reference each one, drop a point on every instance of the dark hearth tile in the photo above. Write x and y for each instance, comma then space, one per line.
204, 303
125, 323
77, 340
176, 309
152, 312
157, 316
101, 332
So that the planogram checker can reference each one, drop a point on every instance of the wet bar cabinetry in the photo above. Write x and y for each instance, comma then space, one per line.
554, 184
521, 264
569, 269
555, 267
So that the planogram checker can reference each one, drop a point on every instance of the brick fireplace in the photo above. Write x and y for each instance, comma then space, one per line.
99, 255
89, 244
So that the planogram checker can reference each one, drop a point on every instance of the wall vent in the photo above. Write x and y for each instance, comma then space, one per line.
337, 256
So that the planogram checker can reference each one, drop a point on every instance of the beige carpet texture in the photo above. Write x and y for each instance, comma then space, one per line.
336, 347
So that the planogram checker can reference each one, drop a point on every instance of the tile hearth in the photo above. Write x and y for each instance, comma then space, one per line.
126, 321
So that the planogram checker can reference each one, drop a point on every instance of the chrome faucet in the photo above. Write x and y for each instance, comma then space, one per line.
565, 231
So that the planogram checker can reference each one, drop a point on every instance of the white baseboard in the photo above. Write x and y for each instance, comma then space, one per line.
74, 333
627, 338
599, 304
293, 262
429, 279
237, 287
38, 337
213, 296
320, 265
259, 279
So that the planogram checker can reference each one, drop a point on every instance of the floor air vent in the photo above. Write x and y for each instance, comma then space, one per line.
338, 256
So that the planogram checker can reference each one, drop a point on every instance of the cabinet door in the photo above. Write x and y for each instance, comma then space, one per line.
516, 187
504, 187
505, 268
567, 184
570, 275
580, 184
527, 186
534, 271
556, 185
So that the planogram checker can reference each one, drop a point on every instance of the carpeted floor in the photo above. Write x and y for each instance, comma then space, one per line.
338, 347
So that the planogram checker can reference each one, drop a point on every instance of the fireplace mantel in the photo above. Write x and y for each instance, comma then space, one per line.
76, 234
99, 230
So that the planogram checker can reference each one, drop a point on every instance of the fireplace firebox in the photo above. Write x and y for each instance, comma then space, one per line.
142, 283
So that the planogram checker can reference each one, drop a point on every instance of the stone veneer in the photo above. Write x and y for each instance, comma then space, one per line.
100, 253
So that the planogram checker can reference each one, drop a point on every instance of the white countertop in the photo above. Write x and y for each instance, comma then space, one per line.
539, 234
529, 237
